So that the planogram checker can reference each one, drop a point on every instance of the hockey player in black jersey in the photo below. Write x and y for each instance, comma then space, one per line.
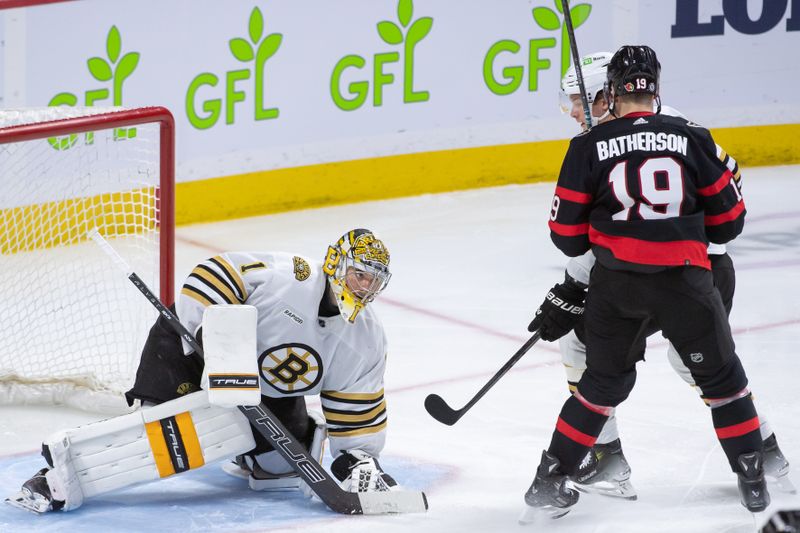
605, 470
647, 193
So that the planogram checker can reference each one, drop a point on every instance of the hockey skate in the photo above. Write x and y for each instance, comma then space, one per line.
776, 467
752, 485
605, 471
549, 494
269, 472
35, 495
244, 467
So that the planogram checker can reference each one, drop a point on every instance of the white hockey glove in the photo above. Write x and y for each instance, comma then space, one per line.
358, 471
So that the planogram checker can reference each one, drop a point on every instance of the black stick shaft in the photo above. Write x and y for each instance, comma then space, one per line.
450, 416
165, 311
502, 372
576, 60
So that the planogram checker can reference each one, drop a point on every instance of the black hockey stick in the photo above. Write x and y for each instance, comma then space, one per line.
272, 429
445, 414
576, 60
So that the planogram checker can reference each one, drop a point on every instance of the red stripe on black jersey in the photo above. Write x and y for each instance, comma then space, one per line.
568, 230
573, 196
642, 252
717, 186
732, 214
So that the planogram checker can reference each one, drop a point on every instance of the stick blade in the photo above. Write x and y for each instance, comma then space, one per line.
393, 502
439, 410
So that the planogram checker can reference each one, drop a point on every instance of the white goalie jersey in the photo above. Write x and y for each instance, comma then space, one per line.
299, 352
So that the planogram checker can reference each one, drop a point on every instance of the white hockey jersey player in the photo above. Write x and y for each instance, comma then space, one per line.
314, 334
300, 352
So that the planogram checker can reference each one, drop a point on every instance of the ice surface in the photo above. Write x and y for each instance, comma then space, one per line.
469, 269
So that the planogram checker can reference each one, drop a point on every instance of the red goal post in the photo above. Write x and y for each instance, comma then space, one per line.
71, 326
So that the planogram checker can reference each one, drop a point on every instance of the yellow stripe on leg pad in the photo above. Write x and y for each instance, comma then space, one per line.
159, 447
190, 441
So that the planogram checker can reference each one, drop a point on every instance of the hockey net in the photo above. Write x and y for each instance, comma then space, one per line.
71, 325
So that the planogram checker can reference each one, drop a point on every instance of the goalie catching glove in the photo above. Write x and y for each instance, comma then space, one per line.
560, 311
358, 471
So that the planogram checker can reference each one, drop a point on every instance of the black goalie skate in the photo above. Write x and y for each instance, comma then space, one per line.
35, 495
605, 471
752, 486
549, 494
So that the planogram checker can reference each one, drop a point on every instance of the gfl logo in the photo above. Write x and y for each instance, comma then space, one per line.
772, 12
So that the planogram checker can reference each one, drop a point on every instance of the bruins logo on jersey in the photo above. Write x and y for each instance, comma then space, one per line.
367, 248
290, 368
301, 269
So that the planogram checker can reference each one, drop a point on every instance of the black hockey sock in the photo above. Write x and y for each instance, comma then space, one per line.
737, 428
576, 432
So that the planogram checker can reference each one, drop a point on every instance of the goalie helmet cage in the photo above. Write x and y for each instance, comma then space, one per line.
71, 328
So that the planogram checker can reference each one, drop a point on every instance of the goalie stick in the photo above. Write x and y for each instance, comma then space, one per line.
272, 429
445, 414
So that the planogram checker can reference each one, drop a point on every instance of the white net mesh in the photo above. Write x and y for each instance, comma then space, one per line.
71, 324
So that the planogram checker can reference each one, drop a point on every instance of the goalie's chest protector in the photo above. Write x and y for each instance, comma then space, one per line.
300, 353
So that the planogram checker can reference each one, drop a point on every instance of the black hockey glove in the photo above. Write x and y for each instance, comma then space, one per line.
358, 471
560, 310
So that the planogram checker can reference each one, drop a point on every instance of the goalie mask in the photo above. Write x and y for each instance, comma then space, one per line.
357, 267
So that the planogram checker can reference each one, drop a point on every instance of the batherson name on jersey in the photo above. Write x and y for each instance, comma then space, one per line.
646, 141
646, 192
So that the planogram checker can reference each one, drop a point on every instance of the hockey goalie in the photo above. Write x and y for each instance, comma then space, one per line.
279, 327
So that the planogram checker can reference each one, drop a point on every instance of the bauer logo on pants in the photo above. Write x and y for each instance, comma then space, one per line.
291, 368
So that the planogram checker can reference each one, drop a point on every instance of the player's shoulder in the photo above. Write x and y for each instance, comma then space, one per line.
579, 141
680, 124
372, 322
262, 268
675, 118
670, 111
369, 328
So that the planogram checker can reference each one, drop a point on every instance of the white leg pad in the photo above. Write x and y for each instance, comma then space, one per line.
149, 444
62, 478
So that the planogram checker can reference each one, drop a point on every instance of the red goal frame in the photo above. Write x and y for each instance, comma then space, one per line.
165, 199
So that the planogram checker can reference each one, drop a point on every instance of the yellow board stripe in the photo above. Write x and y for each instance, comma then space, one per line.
288, 189
159, 447
68, 221
355, 432
190, 441
335, 417
308, 186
